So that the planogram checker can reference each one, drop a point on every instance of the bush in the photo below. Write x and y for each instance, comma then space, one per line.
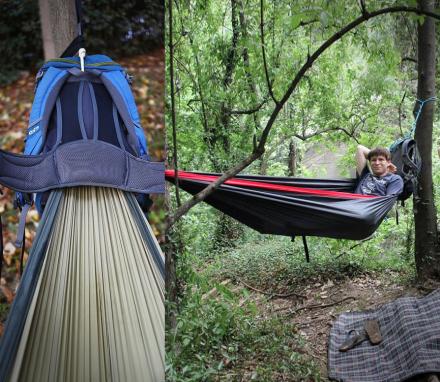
111, 27
20, 38
216, 338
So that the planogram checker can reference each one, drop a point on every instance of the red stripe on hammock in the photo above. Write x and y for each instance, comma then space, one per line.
267, 186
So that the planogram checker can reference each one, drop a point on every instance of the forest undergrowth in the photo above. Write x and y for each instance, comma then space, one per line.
256, 310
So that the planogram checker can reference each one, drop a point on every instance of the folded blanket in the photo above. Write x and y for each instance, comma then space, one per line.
410, 329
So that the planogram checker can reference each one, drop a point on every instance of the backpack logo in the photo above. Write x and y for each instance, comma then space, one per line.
33, 130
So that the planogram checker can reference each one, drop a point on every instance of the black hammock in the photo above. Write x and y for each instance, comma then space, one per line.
293, 206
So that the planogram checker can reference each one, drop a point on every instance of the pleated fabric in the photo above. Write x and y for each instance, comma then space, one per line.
97, 313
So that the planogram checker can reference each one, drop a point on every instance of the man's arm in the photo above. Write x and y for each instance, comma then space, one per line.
395, 187
361, 158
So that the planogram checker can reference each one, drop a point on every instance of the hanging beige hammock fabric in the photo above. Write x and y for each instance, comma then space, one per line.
98, 310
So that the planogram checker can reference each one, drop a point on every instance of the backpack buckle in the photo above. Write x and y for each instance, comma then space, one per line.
38, 78
21, 199
129, 78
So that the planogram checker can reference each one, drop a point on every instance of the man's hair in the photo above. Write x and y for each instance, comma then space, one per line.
379, 151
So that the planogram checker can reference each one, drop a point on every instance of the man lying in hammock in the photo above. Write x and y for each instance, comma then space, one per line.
376, 172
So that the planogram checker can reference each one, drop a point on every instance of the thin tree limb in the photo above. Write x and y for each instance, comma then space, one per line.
354, 246
304, 136
271, 294
249, 111
411, 59
400, 113
363, 7
305, 23
263, 51
319, 306
232, 54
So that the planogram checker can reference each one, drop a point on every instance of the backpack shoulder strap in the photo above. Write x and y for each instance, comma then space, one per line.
120, 90
45, 98
411, 156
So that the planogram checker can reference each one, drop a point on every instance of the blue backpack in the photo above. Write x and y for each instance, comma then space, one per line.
84, 129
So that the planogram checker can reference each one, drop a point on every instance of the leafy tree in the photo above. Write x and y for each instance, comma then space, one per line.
330, 72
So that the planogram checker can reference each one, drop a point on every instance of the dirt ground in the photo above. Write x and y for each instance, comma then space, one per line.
314, 308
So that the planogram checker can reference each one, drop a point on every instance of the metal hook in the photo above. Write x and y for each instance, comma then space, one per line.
82, 56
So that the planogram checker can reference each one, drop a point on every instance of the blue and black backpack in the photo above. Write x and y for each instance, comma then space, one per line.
84, 129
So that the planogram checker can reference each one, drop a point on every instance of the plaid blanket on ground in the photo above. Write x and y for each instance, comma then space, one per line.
410, 330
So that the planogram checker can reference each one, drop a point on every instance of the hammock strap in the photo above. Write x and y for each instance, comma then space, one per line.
411, 132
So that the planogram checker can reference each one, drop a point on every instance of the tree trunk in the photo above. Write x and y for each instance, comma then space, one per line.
292, 158
227, 230
253, 91
263, 164
225, 107
173, 244
171, 248
427, 254
58, 25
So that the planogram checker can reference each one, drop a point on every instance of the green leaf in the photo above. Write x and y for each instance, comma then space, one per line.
295, 20
324, 19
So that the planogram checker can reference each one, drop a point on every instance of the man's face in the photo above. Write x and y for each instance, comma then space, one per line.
379, 165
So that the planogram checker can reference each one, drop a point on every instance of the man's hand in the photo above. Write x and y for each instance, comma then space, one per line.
392, 168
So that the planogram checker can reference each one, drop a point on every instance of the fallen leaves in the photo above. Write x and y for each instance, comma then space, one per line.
8, 253
7, 293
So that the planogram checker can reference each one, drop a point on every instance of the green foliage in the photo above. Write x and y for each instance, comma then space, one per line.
20, 38
207, 332
354, 93
110, 27
275, 263
219, 336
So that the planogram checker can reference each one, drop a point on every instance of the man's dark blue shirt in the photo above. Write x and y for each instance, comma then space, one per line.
369, 184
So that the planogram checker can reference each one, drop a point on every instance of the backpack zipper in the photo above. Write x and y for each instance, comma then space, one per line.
105, 63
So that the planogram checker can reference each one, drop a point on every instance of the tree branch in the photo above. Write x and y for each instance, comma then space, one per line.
319, 306
411, 59
304, 136
363, 7
272, 294
400, 113
259, 149
213, 186
249, 111
337, 36
263, 51
305, 23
